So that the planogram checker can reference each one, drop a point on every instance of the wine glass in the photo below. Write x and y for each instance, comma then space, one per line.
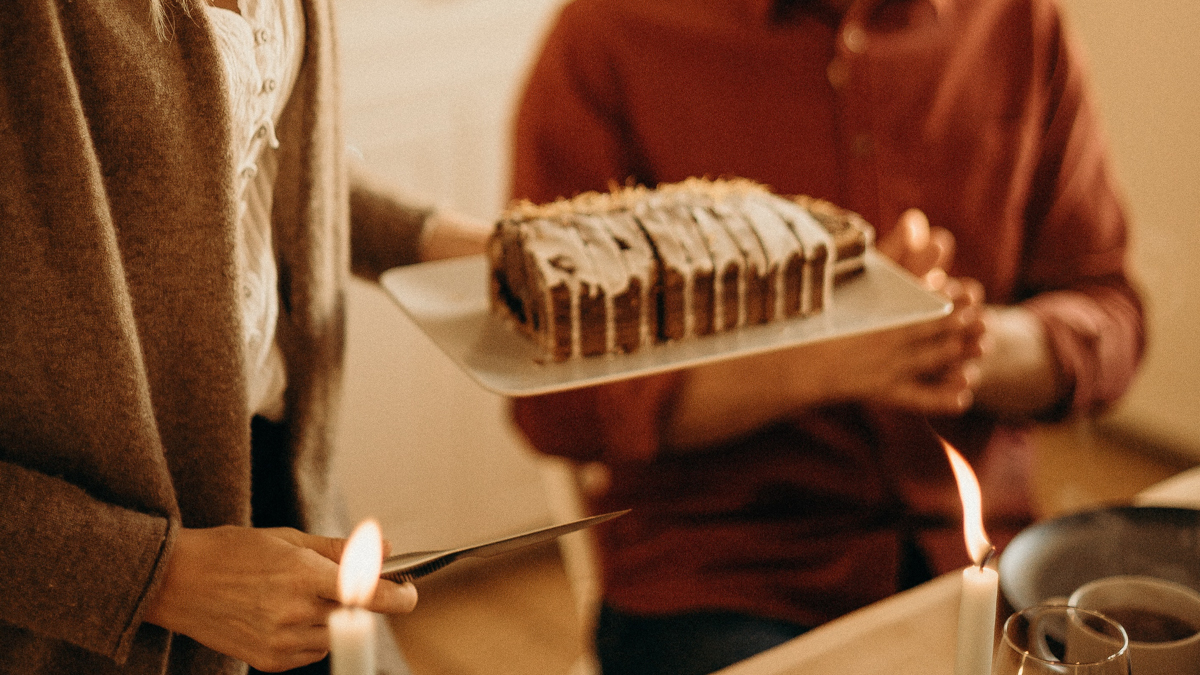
1061, 640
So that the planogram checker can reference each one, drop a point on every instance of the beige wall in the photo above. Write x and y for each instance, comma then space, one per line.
427, 92
1145, 62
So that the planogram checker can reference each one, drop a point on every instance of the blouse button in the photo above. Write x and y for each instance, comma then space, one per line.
863, 145
268, 85
261, 36
855, 38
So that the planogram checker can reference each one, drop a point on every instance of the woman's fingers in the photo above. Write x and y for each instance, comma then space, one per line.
298, 646
393, 598
329, 547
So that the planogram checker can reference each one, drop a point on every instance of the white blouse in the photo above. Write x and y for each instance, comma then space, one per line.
262, 48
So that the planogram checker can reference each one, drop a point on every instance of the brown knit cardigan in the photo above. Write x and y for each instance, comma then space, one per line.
123, 413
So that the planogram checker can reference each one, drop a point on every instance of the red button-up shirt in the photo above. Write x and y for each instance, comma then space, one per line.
976, 112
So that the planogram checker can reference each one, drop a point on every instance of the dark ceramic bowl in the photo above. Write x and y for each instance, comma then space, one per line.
1053, 558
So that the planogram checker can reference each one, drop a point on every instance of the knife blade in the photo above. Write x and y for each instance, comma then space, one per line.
408, 566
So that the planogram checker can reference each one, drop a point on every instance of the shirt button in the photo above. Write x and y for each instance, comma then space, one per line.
261, 36
855, 38
862, 145
268, 85
838, 73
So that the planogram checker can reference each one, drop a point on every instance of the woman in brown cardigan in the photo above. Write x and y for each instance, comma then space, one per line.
133, 531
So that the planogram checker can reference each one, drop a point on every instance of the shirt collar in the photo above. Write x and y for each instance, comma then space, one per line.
765, 10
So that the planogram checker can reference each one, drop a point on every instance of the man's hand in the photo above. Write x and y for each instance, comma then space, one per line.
922, 250
993, 357
929, 368
1008, 369
259, 595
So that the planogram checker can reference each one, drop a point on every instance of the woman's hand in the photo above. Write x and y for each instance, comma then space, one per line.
449, 234
259, 595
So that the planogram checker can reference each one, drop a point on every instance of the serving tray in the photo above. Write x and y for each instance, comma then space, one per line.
448, 301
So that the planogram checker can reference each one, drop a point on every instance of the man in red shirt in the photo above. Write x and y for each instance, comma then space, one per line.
776, 492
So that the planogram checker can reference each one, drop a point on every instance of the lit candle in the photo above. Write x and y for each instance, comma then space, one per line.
977, 608
352, 627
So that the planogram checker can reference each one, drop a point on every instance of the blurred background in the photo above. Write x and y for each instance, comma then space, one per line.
429, 87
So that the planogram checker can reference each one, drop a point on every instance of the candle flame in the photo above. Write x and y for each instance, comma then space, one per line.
978, 546
362, 560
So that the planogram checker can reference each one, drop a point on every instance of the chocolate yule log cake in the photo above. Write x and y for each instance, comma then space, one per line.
610, 273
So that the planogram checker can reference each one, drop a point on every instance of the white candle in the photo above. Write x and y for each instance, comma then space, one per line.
351, 627
352, 641
976, 621
977, 608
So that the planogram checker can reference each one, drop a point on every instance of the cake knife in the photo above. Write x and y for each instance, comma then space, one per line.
409, 566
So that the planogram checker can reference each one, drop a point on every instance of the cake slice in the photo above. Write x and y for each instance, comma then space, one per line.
548, 284
817, 243
569, 289
784, 253
685, 268
852, 235
757, 282
729, 269
625, 261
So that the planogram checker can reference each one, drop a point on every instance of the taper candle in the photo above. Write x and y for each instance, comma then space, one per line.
980, 584
352, 627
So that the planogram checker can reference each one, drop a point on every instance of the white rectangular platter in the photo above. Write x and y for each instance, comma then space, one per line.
448, 301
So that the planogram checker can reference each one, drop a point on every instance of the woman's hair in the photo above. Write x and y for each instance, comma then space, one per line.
160, 14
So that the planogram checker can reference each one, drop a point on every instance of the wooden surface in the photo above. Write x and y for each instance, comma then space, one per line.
1181, 490
508, 615
911, 633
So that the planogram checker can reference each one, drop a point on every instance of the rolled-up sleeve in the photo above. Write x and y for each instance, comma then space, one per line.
1076, 276
76, 568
